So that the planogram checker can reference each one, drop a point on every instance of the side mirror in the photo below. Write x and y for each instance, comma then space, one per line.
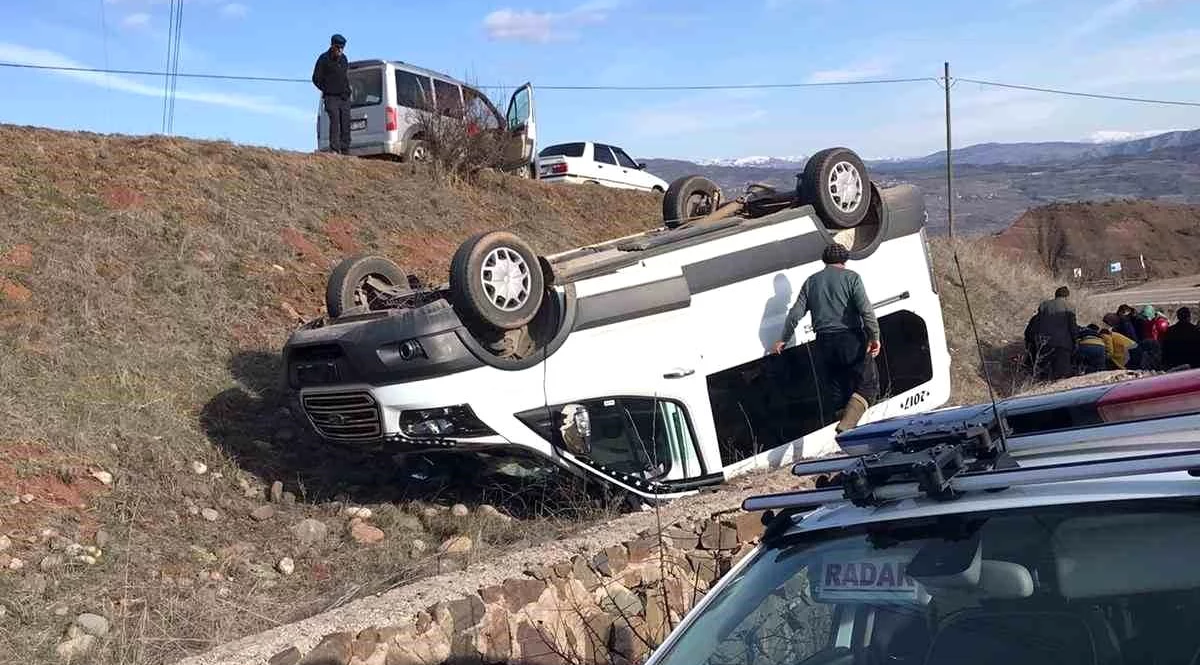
576, 429
642, 166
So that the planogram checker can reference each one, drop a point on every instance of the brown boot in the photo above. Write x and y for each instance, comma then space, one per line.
855, 408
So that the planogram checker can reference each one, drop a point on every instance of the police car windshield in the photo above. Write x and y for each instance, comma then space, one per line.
1053, 586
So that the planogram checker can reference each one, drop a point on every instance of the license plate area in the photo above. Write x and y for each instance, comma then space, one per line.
358, 124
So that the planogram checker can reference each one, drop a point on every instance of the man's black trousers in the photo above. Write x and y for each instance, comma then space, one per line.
338, 110
847, 367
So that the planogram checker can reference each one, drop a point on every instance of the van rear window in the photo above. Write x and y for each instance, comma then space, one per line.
366, 87
563, 149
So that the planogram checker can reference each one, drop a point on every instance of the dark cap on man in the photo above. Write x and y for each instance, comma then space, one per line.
1062, 292
835, 253
337, 40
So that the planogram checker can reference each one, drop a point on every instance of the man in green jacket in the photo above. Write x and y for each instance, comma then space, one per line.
846, 329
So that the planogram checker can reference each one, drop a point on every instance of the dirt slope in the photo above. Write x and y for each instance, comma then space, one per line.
146, 286
1091, 235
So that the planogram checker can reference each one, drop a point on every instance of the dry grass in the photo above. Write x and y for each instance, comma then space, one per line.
146, 286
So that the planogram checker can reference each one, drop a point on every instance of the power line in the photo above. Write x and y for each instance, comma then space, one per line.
1075, 93
146, 72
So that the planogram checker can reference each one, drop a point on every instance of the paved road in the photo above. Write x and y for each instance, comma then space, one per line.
1178, 291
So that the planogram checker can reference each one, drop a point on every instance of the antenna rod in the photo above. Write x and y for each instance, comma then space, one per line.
949, 167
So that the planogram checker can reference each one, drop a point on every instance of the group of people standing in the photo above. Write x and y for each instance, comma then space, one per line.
1057, 347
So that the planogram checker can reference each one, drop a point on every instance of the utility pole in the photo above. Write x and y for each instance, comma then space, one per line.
949, 167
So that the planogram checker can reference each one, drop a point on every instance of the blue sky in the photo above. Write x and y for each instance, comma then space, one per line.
1141, 47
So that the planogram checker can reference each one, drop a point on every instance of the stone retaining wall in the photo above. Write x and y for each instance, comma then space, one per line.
612, 607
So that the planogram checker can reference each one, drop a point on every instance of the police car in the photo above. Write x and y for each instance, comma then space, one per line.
1056, 529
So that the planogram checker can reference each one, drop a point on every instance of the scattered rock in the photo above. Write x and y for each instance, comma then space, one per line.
92, 624
104, 477
27, 498
210, 514
51, 562
15, 564
335, 649
14, 500
418, 547
262, 513
75, 648
73, 549
430, 513
459, 510
60, 610
456, 545
199, 468
276, 492
87, 559
5, 542
248, 490
286, 565
288, 498
491, 512
102, 538
289, 656
365, 534
310, 531
356, 511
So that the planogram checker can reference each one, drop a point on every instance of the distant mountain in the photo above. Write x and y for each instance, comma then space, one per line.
995, 183
761, 162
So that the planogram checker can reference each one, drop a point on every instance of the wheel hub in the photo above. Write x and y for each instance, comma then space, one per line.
845, 186
505, 277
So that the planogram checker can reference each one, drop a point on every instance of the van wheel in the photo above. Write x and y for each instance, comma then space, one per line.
417, 152
835, 182
495, 278
361, 281
689, 197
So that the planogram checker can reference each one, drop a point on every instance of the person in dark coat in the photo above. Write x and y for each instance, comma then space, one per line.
331, 75
1125, 324
1181, 342
1055, 333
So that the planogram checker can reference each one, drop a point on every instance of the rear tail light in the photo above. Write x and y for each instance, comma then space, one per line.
391, 125
557, 169
1168, 395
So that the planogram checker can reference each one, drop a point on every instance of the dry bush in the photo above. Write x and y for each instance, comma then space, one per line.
459, 144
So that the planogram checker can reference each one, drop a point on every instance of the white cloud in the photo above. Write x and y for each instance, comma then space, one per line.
543, 27
136, 21
852, 72
1108, 14
43, 58
234, 10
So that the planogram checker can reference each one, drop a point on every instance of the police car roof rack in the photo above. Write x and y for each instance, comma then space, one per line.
943, 460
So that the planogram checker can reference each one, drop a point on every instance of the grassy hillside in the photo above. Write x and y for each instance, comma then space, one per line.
146, 286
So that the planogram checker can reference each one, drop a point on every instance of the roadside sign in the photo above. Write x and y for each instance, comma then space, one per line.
1114, 266
1078, 272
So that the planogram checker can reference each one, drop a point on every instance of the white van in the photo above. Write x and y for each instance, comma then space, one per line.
386, 97
644, 362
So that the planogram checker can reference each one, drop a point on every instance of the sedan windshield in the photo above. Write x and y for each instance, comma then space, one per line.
1118, 583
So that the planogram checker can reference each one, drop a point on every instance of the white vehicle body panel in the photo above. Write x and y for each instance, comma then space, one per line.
598, 163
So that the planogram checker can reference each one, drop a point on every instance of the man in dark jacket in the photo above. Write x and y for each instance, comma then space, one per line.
847, 333
1055, 332
331, 76
1181, 342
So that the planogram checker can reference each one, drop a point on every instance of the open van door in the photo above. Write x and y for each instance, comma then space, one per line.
520, 148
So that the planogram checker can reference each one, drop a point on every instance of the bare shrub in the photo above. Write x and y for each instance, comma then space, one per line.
458, 143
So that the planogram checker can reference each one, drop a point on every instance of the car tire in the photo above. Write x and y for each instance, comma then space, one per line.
836, 184
689, 197
417, 152
347, 286
511, 297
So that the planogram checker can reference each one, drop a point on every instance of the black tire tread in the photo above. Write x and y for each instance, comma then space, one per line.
679, 191
463, 297
813, 187
339, 288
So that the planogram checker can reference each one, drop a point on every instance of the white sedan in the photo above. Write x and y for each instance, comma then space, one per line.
598, 164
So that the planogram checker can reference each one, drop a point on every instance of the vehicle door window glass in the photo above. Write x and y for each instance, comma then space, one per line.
480, 109
449, 99
518, 110
412, 91
366, 87
604, 155
640, 436
624, 159
904, 362
564, 149
768, 402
